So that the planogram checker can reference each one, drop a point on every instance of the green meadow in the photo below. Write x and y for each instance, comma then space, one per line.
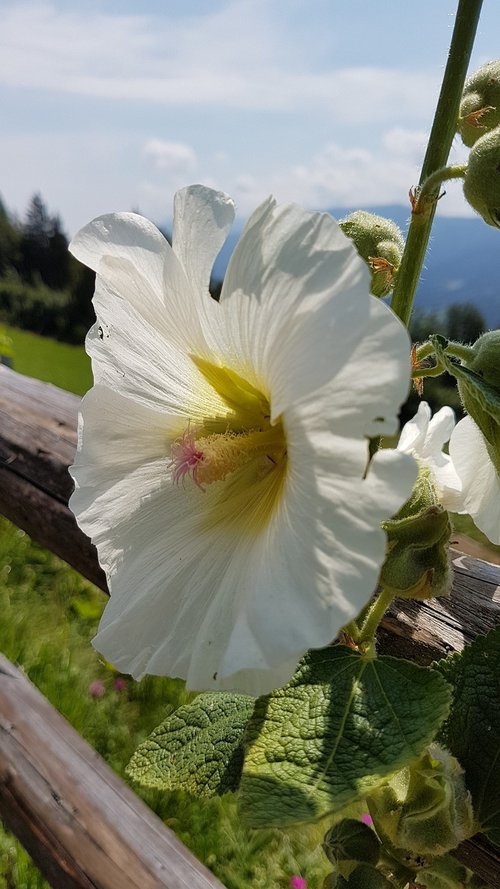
59, 363
49, 614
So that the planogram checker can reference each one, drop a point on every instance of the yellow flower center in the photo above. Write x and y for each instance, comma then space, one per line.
241, 446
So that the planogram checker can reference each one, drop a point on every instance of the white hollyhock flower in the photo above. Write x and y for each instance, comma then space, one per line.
466, 478
423, 438
222, 455
479, 478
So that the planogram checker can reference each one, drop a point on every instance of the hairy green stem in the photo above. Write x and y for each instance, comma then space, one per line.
425, 350
461, 351
374, 615
440, 140
435, 371
428, 191
352, 630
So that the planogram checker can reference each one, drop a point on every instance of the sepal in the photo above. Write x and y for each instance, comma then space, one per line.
417, 565
424, 810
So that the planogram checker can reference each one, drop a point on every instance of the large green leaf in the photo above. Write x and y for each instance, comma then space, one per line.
341, 725
198, 748
472, 730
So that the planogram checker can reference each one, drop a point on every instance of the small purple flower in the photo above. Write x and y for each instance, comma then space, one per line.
367, 819
96, 688
120, 683
297, 882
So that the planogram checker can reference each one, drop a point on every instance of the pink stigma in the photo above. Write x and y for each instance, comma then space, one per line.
186, 457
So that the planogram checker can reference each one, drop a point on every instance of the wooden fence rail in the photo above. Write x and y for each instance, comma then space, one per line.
37, 442
83, 827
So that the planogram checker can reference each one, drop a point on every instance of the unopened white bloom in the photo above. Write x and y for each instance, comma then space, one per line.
222, 455
479, 477
424, 438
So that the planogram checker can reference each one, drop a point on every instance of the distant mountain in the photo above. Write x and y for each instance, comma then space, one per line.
462, 263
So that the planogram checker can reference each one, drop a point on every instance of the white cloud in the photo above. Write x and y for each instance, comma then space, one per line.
97, 173
172, 156
406, 143
240, 56
352, 177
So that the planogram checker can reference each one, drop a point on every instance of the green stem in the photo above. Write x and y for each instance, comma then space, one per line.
425, 350
429, 189
459, 350
435, 371
374, 615
352, 630
440, 140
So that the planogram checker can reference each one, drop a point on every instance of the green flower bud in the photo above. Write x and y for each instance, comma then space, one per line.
425, 810
482, 177
480, 105
380, 243
367, 877
351, 840
484, 358
417, 564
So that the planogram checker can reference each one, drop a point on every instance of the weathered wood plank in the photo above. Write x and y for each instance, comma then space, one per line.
38, 435
37, 440
84, 828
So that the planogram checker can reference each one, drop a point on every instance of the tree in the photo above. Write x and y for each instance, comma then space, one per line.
10, 237
464, 323
44, 248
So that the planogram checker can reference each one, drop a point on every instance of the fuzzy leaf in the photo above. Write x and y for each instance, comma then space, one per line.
198, 748
472, 730
341, 725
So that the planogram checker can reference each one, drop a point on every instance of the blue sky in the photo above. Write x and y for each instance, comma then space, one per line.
114, 105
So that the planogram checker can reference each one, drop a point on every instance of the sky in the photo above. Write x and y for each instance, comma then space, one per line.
113, 105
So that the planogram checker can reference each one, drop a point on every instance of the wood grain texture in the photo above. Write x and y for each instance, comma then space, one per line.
37, 441
38, 434
81, 824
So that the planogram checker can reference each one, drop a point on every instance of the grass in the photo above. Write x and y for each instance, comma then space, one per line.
49, 614
58, 363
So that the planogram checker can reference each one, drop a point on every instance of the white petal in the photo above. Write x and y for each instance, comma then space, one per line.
440, 428
414, 432
202, 220
372, 385
296, 287
136, 261
480, 480
424, 438
141, 361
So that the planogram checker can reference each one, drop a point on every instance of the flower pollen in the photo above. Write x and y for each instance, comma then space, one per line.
211, 458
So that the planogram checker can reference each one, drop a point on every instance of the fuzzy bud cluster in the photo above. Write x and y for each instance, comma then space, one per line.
480, 105
380, 243
479, 127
